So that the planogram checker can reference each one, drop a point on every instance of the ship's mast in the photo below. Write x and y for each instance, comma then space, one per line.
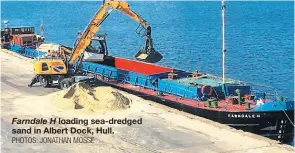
42, 27
223, 42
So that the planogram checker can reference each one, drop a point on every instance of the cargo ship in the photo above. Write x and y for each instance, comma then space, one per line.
227, 101
230, 102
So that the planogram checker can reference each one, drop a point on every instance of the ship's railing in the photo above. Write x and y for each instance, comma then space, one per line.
227, 80
33, 44
256, 89
265, 91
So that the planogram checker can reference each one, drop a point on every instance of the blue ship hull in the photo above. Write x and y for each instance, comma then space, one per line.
273, 119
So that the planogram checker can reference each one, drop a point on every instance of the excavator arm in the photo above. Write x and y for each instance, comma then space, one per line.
148, 54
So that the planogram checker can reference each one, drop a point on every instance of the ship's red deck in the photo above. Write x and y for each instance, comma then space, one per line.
222, 104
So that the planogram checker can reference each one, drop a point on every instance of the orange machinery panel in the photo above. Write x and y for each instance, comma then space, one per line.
140, 67
16, 39
23, 39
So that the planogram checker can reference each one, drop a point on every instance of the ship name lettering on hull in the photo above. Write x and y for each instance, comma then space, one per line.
233, 115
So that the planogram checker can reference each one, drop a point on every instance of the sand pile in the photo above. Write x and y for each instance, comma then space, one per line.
82, 96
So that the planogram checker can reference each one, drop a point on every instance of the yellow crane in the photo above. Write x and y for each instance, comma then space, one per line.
51, 69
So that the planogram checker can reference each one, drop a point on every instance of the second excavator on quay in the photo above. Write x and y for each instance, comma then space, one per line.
63, 69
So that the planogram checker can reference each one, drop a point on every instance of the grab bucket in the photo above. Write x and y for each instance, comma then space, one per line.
149, 57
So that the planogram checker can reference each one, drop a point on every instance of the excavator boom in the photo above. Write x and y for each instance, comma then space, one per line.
51, 69
147, 54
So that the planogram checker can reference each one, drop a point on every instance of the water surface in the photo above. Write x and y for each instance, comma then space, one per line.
259, 35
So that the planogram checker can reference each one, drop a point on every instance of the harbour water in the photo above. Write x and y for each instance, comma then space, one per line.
259, 35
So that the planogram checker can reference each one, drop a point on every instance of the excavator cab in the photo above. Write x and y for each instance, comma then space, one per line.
98, 45
97, 49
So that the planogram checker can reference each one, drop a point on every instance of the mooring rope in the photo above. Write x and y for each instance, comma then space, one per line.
287, 115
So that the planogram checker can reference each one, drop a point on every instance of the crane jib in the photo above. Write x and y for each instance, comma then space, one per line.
145, 54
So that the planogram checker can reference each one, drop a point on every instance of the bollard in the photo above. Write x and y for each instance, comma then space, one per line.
278, 98
208, 103
239, 96
282, 99
248, 106
214, 104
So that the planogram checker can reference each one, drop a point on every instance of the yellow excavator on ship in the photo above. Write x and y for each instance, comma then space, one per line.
61, 68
